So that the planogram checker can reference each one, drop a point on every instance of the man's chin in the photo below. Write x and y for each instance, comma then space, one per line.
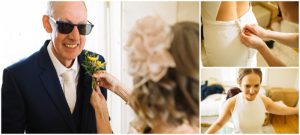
72, 56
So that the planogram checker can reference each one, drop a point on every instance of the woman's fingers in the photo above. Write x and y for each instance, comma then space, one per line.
245, 39
252, 28
99, 92
243, 35
103, 79
247, 32
98, 75
97, 89
106, 80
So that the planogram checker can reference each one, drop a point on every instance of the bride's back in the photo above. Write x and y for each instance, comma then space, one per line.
230, 10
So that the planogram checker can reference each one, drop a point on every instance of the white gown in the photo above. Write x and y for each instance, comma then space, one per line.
248, 116
222, 38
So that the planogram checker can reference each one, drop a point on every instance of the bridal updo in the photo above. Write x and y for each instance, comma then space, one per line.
164, 62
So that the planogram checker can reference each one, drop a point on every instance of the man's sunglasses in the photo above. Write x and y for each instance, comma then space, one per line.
66, 28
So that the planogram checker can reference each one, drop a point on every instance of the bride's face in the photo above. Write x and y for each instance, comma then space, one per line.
250, 86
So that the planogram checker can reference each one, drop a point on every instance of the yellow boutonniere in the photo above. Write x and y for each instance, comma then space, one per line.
91, 64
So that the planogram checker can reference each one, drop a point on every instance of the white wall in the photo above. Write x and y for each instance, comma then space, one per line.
21, 31
132, 11
272, 77
283, 77
188, 11
97, 40
211, 74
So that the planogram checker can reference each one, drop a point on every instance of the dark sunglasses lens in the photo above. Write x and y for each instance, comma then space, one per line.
64, 28
85, 29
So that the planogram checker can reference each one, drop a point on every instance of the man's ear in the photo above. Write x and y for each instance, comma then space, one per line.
46, 24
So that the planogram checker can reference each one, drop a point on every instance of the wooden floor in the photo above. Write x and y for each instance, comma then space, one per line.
286, 124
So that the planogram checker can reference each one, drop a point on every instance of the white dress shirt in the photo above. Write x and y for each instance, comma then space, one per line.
60, 68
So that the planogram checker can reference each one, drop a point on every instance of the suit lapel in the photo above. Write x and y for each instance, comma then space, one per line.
88, 115
52, 86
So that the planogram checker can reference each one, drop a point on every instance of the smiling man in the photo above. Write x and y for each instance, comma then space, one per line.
49, 92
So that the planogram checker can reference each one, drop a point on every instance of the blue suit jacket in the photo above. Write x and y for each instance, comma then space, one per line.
33, 100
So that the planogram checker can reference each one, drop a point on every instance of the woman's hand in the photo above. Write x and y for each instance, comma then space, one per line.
251, 37
101, 111
257, 30
251, 40
98, 101
289, 39
107, 80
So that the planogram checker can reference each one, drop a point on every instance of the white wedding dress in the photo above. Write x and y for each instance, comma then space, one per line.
248, 116
222, 38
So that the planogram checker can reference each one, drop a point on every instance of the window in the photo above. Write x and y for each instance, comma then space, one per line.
22, 31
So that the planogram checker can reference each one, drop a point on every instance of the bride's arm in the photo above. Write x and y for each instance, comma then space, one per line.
274, 108
223, 118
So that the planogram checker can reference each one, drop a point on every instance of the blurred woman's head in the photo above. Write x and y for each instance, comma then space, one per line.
249, 80
232, 92
164, 62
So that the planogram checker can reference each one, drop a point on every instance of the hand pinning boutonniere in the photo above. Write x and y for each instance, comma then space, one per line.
91, 64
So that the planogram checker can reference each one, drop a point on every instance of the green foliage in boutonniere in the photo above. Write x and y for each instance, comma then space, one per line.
91, 65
